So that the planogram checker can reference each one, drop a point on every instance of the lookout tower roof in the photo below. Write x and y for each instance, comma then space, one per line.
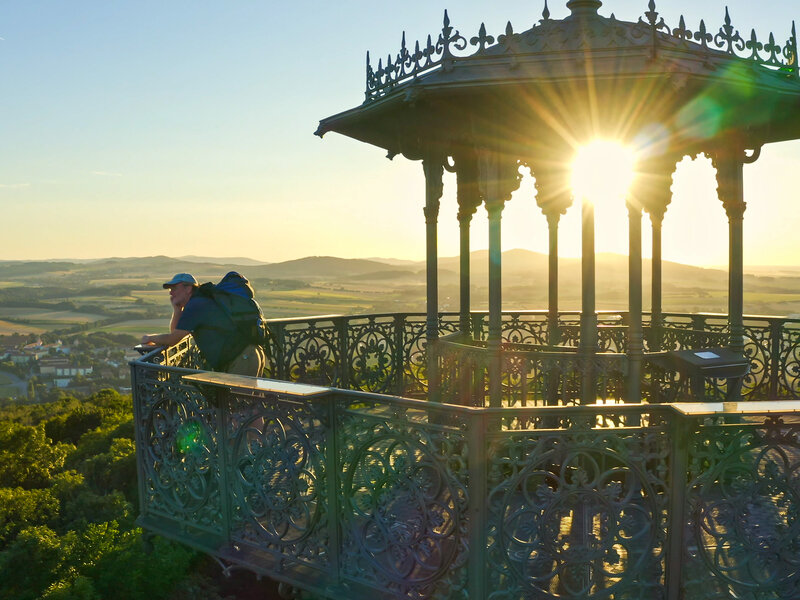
576, 78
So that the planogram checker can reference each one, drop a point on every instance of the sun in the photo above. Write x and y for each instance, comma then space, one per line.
602, 172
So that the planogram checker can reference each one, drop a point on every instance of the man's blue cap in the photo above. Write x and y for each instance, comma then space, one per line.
181, 278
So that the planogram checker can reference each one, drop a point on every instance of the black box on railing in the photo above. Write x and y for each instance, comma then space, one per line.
721, 363
717, 363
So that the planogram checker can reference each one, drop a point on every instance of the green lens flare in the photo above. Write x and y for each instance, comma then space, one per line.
190, 438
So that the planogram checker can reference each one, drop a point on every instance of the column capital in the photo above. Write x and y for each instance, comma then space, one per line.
434, 171
553, 188
634, 209
651, 189
553, 218
498, 178
729, 161
657, 217
467, 195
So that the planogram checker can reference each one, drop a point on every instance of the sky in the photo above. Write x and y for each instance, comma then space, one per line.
140, 128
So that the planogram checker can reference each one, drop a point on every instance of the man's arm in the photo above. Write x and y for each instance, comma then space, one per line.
177, 311
165, 339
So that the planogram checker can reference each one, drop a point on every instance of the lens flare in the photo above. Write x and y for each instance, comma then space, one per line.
190, 438
602, 172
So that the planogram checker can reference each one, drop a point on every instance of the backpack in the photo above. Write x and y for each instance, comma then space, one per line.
235, 296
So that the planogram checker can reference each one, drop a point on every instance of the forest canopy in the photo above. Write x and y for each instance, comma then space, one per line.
68, 502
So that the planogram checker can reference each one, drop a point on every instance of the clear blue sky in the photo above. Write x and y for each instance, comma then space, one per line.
139, 128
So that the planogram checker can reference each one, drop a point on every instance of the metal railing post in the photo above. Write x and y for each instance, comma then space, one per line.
676, 518
220, 398
399, 357
280, 358
136, 393
343, 380
477, 509
775, 367
334, 489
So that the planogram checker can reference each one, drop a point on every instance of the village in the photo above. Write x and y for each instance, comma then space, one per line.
38, 369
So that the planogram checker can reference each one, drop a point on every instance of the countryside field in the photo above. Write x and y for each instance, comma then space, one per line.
125, 295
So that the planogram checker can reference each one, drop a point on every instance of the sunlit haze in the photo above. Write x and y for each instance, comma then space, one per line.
184, 128
602, 172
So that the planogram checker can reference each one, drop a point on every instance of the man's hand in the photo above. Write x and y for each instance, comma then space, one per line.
165, 339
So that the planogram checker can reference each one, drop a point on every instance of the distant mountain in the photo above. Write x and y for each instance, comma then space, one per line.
319, 267
519, 267
397, 262
233, 260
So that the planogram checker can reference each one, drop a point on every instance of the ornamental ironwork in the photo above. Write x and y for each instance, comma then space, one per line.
276, 456
355, 495
651, 32
176, 433
387, 353
744, 509
579, 515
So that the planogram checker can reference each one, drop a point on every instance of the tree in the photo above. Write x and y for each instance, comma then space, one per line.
20, 508
27, 459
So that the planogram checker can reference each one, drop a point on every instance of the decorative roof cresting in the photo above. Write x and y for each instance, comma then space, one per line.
549, 36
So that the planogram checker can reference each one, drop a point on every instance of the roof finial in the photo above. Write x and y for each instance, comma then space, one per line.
545, 12
585, 7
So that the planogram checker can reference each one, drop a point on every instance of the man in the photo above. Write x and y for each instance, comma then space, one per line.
215, 333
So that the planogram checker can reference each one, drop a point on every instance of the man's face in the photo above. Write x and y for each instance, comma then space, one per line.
180, 293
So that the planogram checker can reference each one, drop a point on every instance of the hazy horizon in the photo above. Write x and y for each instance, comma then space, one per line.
187, 129
387, 259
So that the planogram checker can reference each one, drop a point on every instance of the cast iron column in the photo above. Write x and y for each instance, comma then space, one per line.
498, 177
633, 391
553, 333
653, 192
729, 162
554, 196
656, 308
468, 202
434, 170
588, 341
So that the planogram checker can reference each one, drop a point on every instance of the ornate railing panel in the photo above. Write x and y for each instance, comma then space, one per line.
356, 495
374, 353
529, 377
784, 365
276, 476
387, 353
403, 510
576, 510
177, 440
742, 515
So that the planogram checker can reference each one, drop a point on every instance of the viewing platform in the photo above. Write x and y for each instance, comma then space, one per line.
331, 476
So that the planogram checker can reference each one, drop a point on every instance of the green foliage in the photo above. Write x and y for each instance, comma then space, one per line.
21, 508
115, 469
66, 511
35, 558
146, 576
27, 459
88, 506
96, 442
80, 588
33, 414
70, 427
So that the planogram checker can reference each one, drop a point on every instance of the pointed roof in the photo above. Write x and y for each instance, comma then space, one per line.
578, 77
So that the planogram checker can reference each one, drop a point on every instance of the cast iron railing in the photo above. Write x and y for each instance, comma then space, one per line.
386, 353
349, 494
